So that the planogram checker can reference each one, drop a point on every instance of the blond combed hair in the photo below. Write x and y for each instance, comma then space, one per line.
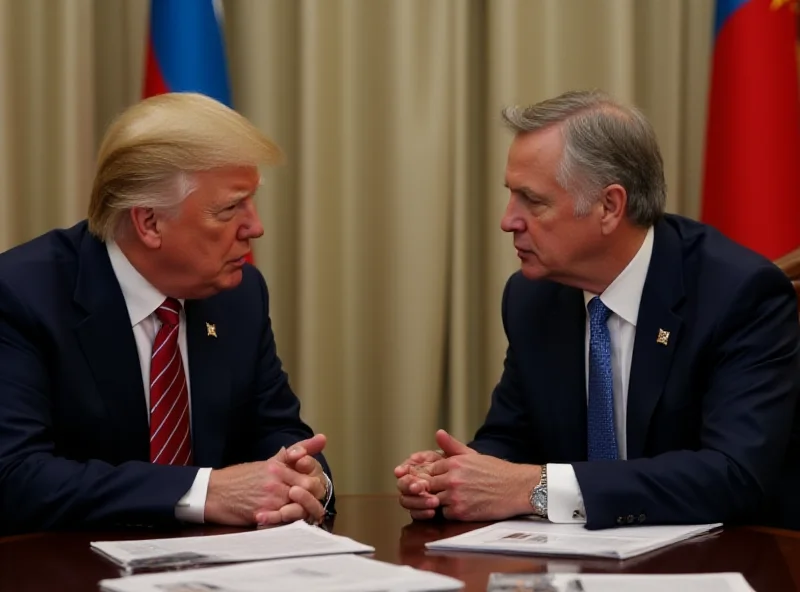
150, 151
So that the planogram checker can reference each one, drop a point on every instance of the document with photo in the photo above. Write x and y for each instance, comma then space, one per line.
532, 537
719, 582
291, 540
350, 573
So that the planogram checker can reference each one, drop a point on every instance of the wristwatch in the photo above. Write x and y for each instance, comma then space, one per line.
538, 497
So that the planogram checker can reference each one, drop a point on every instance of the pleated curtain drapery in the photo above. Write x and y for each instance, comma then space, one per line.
382, 250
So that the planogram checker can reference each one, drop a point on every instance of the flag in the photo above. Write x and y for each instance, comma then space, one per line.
751, 188
186, 50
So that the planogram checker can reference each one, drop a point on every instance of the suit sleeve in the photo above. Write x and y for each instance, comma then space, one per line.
747, 415
278, 408
40, 490
506, 430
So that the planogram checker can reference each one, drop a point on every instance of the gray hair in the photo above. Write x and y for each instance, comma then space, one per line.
605, 142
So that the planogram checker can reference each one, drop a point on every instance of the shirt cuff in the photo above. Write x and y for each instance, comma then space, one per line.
192, 506
564, 498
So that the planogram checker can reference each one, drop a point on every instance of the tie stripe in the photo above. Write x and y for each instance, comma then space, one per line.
170, 441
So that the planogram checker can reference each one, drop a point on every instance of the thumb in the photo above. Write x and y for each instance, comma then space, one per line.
451, 446
310, 447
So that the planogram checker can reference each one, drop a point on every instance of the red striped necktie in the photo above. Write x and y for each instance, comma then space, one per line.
170, 440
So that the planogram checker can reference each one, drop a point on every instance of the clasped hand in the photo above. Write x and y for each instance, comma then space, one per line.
465, 484
285, 488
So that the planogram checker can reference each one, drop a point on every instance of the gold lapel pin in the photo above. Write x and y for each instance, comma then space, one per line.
663, 337
211, 330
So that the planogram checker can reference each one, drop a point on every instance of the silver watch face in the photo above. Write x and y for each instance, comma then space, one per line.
540, 499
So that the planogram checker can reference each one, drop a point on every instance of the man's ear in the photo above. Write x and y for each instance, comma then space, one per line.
146, 226
614, 201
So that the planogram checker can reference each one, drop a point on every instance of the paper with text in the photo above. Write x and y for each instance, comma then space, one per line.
529, 537
720, 582
291, 540
321, 574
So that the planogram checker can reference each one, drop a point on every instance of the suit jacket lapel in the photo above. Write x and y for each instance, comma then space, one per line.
206, 337
107, 342
658, 329
565, 357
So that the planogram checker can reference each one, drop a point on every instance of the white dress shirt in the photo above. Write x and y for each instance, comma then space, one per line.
622, 297
142, 300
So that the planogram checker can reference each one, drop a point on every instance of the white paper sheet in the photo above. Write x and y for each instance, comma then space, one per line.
297, 539
720, 582
531, 537
321, 574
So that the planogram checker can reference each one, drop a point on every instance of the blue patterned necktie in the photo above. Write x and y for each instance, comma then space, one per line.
600, 418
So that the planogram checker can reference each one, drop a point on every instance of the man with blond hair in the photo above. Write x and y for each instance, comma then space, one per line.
139, 379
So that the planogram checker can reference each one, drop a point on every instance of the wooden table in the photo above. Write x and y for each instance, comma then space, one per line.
769, 559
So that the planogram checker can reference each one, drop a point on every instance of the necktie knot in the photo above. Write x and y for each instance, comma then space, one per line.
169, 312
598, 312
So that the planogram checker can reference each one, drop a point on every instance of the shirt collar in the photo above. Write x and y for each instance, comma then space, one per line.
141, 297
624, 294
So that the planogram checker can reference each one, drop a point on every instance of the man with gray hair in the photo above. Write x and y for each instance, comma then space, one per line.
139, 379
652, 372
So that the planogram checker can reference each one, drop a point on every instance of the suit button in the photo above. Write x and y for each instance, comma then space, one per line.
631, 519
642, 518
620, 520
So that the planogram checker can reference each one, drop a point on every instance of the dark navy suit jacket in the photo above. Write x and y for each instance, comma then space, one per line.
74, 436
712, 433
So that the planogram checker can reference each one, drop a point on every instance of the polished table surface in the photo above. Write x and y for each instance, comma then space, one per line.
769, 559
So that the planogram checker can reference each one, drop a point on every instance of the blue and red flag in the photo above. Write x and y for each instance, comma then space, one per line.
751, 189
186, 50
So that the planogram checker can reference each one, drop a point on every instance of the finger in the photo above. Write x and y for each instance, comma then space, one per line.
311, 506
421, 470
310, 446
419, 502
280, 455
450, 445
445, 497
439, 485
440, 467
308, 465
268, 518
402, 469
422, 514
411, 485
426, 456
288, 476
310, 483
288, 513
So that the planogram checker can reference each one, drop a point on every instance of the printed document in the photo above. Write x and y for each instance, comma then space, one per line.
720, 582
535, 537
297, 539
321, 574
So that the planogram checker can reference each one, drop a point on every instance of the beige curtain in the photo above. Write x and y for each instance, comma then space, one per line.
382, 251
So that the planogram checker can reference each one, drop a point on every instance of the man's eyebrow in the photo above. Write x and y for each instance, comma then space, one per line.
526, 191
234, 198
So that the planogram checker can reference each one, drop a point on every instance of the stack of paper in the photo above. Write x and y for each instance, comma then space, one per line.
531, 537
321, 574
724, 582
292, 540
